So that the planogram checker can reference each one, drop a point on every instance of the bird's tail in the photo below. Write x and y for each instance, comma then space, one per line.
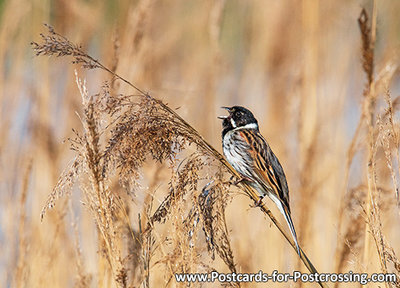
291, 227
286, 213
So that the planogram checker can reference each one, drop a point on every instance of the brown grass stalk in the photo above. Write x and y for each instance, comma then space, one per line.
366, 120
379, 132
368, 36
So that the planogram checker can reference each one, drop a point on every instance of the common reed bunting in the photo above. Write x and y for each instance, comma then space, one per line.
250, 155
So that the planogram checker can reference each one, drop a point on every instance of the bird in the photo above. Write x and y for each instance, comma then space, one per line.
250, 155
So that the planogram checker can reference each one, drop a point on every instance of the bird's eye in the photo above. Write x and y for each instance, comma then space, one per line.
238, 113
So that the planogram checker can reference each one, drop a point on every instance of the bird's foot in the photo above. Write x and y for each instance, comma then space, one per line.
238, 181
258, 202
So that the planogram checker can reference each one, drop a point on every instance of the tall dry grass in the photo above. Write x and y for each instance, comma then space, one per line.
142, 193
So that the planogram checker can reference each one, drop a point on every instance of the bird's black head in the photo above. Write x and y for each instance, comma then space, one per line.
238, 117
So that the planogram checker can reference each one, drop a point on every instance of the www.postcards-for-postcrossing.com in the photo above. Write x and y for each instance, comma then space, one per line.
277, 277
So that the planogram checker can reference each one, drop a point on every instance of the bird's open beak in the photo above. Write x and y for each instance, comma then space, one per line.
224, 117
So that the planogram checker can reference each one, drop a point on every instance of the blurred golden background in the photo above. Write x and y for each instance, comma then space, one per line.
296, 64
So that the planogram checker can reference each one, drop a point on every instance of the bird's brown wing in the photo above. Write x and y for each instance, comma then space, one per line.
268, 172
267, 169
